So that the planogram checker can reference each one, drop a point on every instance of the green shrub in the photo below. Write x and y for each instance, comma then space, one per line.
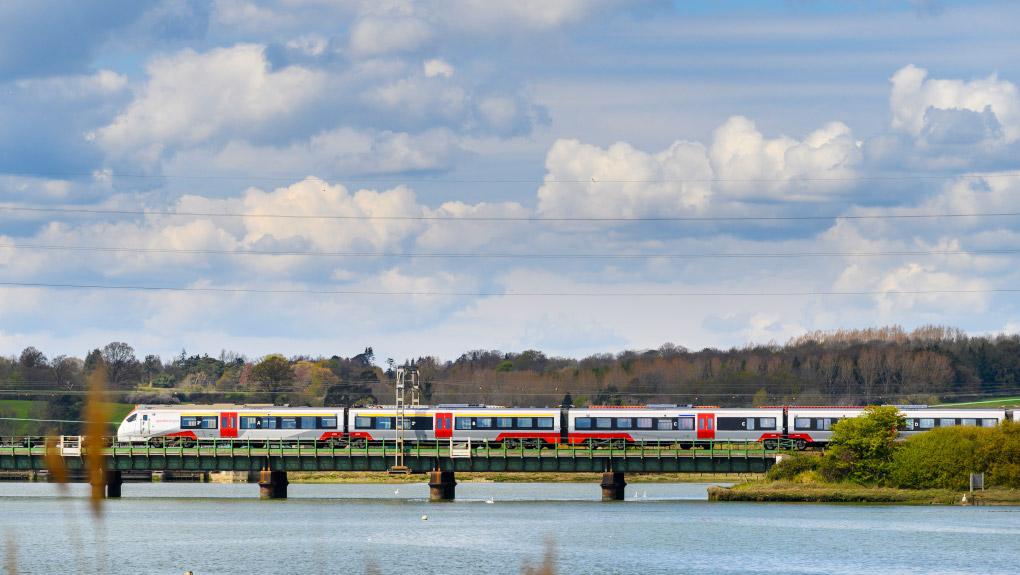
1002, 453
791, 466
862, 447
942, 458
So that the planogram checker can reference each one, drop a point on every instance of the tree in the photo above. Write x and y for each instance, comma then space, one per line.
151, 367
92, 360
761, 397
32, 358
67, 371
861, 448
121, 364
272, 371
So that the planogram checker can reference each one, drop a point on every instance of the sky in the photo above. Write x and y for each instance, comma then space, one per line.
576, 176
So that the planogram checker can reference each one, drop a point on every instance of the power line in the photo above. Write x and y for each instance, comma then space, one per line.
509, 255
526, 219
294, 291
543, 180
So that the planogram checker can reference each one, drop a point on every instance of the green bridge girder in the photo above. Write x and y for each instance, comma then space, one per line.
710, 457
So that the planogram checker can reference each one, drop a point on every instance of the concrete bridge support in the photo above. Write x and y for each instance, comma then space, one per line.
442, 485
108, 485
613, 484
273, 484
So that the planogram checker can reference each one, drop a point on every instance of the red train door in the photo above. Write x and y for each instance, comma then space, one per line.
706, 426
228, 424
444, 425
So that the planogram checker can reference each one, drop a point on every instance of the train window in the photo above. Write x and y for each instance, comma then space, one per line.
802, 423
731, 423
307, 422
288, 423
927, 423
665, 424
524, 423
362, 422
484, 422
504, 423
624, 423
644, 422
462, 423
686, 423
198, 422
989, 422
248, 422
750, 423
947, 422
603, 422
132, 417
383, 422
327, 422
766, 423
270, 422
968, 421
544, 422
825, 423
582, 423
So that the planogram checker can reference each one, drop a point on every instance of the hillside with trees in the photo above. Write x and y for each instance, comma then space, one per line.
851, 367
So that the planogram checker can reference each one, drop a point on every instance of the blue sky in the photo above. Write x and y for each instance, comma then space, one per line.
405, 117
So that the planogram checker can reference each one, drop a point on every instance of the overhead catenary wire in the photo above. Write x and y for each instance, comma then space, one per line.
595, 179
505, 255
495, 293
491, 219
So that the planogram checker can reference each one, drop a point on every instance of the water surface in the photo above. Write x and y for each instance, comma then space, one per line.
491, 528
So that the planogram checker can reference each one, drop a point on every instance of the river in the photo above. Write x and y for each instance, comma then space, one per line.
491, 528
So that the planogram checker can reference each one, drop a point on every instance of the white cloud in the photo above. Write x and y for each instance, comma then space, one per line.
917, 100
622, 181
436, 67
314, 197
748, 165
191, 97
373, 36
740, 163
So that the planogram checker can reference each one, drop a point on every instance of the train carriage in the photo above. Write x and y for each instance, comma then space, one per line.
184, 424
511, 426
685, 426
813, 425
921, 419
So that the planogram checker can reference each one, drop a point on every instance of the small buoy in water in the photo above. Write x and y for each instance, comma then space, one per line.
424, 517
489, 500
396, 492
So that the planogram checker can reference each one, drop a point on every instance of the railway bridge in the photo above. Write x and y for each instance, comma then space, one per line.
440, 459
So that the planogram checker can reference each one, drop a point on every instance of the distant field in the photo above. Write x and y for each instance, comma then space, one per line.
32, 409
997, 402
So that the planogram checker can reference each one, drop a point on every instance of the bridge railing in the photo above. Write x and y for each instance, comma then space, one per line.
37, 445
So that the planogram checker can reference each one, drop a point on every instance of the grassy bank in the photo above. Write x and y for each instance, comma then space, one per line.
514, 477
787, 491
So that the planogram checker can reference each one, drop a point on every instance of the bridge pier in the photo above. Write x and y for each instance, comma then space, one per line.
108, 485
273, 484
613, 484
442, 485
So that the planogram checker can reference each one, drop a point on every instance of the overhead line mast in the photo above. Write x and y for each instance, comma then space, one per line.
407, 377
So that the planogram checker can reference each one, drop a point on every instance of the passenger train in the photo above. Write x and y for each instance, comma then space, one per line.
685, 426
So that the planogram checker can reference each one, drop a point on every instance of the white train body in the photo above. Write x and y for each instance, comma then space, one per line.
533, 427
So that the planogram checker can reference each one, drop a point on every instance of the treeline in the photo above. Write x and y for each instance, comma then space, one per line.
882, 365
